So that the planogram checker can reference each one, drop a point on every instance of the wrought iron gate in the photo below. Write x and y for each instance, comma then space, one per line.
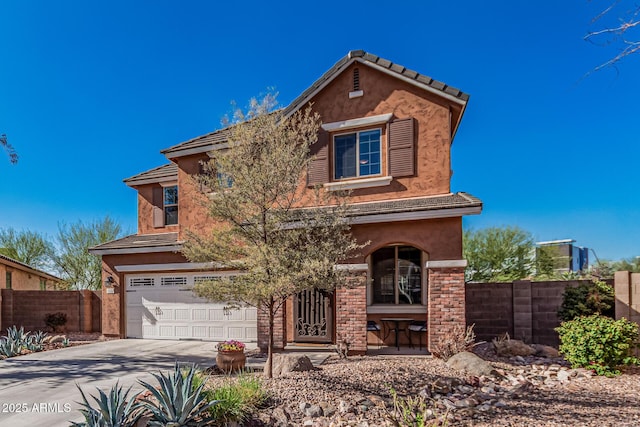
313, 316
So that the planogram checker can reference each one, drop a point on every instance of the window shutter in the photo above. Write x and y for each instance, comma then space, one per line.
402, 148
158, 207
318, 172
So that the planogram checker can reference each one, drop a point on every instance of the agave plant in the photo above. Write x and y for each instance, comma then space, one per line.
18, 335
179, 402
35, 342
9, 347
114, 410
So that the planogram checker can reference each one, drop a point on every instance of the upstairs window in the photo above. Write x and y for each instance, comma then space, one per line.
357, 154
170, 205
8, 279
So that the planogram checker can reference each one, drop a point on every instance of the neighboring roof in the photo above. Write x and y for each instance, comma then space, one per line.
139, 243
27, 268
162, 173
208, 142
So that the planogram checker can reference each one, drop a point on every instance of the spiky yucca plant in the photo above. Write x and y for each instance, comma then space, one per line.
114, 410
178, 403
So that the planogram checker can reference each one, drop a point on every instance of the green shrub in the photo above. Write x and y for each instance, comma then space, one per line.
55, 321
598, 343
586, 299
237, 399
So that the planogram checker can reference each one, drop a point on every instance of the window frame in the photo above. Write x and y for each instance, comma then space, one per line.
8, 280
166, 205
396, 305
357, 132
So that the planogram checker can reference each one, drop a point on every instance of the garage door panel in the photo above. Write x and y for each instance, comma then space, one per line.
172, 312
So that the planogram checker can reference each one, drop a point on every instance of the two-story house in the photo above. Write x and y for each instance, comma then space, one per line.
386, 135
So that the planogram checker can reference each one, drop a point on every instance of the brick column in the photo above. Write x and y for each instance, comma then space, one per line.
446, 305
86, 314
279, 340
351, 312
522, 312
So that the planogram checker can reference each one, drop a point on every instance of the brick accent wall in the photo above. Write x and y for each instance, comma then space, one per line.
351, 313
28, 309
279, 333
446, 303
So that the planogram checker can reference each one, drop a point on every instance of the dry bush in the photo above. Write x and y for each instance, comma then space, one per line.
461, 339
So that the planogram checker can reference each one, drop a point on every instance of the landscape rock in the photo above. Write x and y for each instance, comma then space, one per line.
285, 363
470, 363
509, 347
545, 351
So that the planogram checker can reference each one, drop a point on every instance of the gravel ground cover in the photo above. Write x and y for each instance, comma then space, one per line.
533, 392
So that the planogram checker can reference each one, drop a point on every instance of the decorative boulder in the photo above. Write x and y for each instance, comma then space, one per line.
469, 362
509, 347
545, 351
285, 363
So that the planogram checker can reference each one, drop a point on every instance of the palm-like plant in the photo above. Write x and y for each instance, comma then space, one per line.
114, 410
179, 402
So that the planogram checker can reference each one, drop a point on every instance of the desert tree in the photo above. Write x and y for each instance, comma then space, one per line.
75, 265
26, 246
499, 254
11, 152
618, 25
255, 195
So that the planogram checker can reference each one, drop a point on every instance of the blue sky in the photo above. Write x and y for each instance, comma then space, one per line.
92, 91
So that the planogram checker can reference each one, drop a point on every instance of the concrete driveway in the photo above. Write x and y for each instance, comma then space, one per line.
39, 389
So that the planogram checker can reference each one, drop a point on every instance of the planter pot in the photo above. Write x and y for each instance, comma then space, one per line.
229, 361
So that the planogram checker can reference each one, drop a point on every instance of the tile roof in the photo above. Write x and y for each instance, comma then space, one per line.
368, 58
421, 204
140, 241
26, 267
205, 142
169, 241
168, 172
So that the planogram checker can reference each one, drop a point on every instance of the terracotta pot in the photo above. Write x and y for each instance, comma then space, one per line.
230, 361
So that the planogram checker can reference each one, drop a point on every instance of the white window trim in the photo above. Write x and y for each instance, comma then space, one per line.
357, 123
352, 184
358, 176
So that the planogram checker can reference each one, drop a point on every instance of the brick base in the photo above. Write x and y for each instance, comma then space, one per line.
278, 330
351, 313
446, 306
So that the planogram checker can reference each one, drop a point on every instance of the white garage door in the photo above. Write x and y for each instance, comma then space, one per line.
162, 306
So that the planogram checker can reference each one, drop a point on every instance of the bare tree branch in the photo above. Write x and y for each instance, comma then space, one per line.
620, 35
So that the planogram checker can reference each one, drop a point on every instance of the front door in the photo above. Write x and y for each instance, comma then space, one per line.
313, 316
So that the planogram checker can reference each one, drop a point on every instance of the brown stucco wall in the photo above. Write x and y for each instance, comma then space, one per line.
113, 312
385, 94
440, 238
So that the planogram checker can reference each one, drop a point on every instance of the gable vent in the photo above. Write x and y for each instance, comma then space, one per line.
356, 79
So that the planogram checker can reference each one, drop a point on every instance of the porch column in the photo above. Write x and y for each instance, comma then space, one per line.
278, 330
351, 309
446, 304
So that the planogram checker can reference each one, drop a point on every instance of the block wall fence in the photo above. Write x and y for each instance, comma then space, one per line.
29, 308
525, 310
